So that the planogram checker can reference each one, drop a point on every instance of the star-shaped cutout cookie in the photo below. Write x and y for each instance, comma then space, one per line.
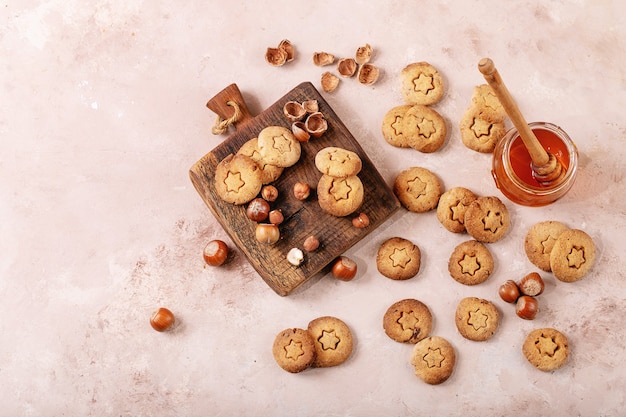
426, 127
233, 181
458, 212
546, 346
469, 265
328, 340
434, 358
408, 320
397, 126
480, 127
576, 257
477, 319
400, 258
340, 190
416, 187
293, 350
423, 83
339, 157
548, 244
281, 143
492, 221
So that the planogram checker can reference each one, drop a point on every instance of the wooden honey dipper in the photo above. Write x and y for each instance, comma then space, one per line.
546, 168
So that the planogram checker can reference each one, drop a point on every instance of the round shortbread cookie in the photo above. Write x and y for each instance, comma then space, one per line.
278, 146
572, 255
418, 189
452, 206
476, 319
487, 219
237, 179
434, 359
340, 196
408, 321
338, 162
421, 84
333, 341
424, 129
269, 172
398, 259
546, 349
479, 131
294, 350
470, 263
392, 126
485, 99
540, 240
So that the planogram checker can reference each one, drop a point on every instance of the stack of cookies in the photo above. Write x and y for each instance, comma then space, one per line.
339, 190
415, 124
483, 123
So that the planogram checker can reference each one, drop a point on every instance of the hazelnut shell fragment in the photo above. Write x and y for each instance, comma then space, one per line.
363, 54
275, 56
329, 82
347, 67
368, 74
323, 58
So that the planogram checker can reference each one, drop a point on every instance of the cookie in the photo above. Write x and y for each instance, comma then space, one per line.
278, 146
476, 319
333, 341
338, 162
398, 259
572, 255
487, 219
408, 321
339, 196
294, 350
418, 189
434, 359
237, 179
269, 173
392, 126
470, 263
485, 99
424, 129
546, 349
479, 131
452, 206
540, 240
421, 84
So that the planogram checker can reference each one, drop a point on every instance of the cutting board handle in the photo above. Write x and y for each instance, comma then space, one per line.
230, 107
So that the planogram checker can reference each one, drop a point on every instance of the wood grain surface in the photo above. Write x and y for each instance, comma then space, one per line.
302, 218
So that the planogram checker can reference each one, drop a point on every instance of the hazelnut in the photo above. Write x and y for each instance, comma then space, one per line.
344, 268
269, 193
215, 253
527, 307
361, 221
267, 233
295, 256
532, 284
162, 320
509, 291
311, 244
258, 210
301, 191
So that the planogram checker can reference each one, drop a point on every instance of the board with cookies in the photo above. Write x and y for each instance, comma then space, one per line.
340, 179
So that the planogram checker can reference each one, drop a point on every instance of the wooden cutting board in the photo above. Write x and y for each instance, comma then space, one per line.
302, 218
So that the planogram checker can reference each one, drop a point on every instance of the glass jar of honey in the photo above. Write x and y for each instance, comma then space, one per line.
512, 167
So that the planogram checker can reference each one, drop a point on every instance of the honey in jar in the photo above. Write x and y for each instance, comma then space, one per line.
513, 172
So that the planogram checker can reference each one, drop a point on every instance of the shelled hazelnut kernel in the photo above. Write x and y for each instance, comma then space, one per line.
276, 216
301, 190
361, 221
215, 252
258, 210
532, 284
162, 320
269, 193
344, 268
311, 244
295, 256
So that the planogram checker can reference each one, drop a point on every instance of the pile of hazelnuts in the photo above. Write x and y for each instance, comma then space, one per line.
523, 294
